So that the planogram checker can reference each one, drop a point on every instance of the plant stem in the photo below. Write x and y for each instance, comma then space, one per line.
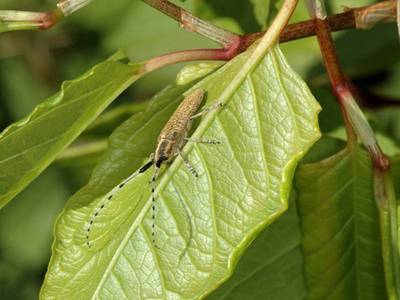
235, 44
70, 6
11, 20
187, 55
338, 81
380, 12
354, 119
217, 54
363, 130
194, 24
352, 18
363, 17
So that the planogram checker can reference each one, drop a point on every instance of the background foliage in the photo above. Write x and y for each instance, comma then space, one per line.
41, 61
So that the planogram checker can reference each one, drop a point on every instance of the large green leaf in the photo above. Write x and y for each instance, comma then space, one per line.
340, 227
268, 122
30, 145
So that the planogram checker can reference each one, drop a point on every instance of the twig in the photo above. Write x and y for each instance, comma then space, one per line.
194, 24
352, 18
378, 13
188, 55
70, 6
11, 20
362, 17
353, 117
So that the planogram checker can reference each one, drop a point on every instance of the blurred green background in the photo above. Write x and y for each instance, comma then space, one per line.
34, 64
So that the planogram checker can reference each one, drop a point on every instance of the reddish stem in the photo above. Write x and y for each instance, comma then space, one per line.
50, 19
304, 29
194, 24
330, 58
188, 55
235, 44
352, 18
342, 88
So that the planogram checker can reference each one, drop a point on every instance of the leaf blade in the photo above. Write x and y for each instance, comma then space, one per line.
228, 204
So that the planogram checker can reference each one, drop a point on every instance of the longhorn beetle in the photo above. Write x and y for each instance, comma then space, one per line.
170, 141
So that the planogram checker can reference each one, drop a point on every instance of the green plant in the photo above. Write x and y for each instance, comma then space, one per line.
324, 206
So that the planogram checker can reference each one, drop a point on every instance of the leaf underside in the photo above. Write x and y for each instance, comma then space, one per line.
203, 224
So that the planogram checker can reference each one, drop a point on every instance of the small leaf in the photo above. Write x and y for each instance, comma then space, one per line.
203, 224
30, 145
195, 71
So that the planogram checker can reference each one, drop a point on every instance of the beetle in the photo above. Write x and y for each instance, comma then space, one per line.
169, 144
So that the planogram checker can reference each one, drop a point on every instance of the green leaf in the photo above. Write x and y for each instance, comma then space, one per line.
267, 124
30, 145
193, 72
340, 227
